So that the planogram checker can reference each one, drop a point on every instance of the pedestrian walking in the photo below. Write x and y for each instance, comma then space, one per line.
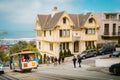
79, 60
59, 60
63, 59
11, 63
48, 60
55, 61
74, 61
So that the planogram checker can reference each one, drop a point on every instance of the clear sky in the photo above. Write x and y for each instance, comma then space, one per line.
18, 15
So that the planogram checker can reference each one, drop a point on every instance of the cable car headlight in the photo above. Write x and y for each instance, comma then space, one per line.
33, 63
25, 65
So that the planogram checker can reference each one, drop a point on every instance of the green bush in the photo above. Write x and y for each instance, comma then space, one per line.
60, 54
69, 53
88, 47
65, 53
94, 46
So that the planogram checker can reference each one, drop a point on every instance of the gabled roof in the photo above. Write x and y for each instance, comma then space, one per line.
79, 19
42, 19
48, 22
53, 20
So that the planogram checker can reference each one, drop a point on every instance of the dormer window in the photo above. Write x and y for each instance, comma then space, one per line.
64, 20
91, 20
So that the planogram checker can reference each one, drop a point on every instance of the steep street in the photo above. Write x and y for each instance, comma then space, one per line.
64, 71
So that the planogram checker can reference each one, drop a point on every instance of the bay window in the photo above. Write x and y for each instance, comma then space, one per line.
90, 31
64, 33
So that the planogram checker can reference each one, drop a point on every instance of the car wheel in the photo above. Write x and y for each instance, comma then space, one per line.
103, 53
110, 56
117, 56
115, 71
2, 72
84, 57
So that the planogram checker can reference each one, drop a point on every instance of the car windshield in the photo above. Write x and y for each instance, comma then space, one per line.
115, 52
83, 52
103, 48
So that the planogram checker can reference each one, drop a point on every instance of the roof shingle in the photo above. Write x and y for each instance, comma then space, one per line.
48, 22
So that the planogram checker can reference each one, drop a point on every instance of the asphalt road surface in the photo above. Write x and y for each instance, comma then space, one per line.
35, 75
64, 71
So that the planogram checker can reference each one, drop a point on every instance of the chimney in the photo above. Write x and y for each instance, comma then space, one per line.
54, 11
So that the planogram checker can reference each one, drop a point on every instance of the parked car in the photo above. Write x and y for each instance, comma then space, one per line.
1, 69
115, 69
116, 54
106, 49
88, 53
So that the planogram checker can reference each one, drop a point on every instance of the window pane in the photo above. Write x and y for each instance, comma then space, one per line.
60, 33
107, 16
67, 45
39, 45
118, 30
44, 33
63, 45
67, 32
64, 32
89, 31
91, 20
64, 20
114, 29
92, 31
106, 29
50, 32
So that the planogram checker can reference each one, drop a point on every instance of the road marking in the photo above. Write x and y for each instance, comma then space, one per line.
34, 79
22, 75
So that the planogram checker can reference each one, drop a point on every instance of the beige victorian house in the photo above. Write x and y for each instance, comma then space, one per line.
60, 30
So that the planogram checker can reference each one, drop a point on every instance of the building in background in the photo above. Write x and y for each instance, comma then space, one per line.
60, 31
109, 31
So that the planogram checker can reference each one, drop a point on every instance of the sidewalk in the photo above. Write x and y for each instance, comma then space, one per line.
68, 69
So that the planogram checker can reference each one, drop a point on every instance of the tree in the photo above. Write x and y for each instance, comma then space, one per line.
69, 53
94, 46
22, 45
60, 54
3, 56
65, 53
